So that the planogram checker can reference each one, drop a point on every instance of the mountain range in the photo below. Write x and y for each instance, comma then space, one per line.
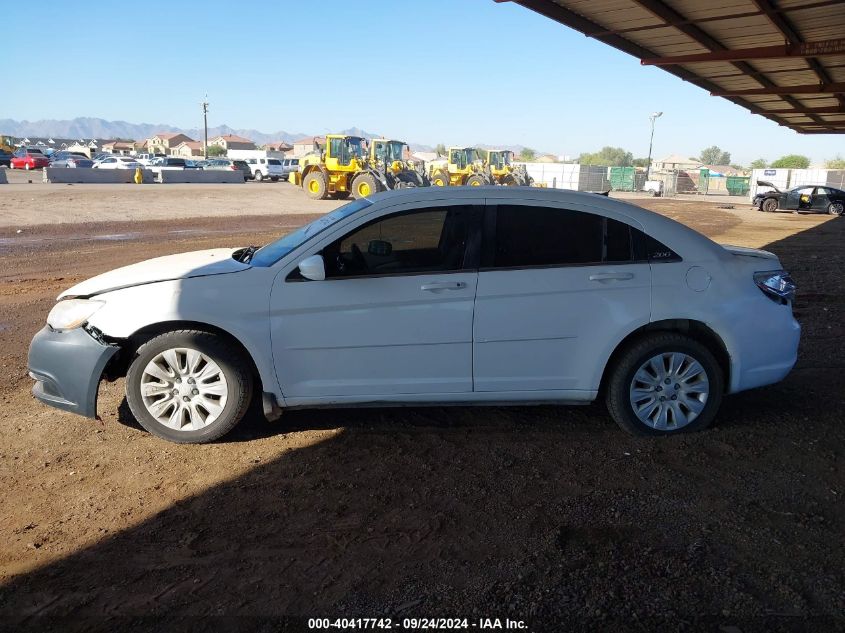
91, 128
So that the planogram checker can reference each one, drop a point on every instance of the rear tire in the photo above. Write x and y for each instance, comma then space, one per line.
440, 179
476, 181
26, 166
315, 185
769, 205
274, 178
229, 384
694, 384
836, 208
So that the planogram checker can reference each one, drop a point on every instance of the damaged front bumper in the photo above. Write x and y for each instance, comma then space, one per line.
67, 367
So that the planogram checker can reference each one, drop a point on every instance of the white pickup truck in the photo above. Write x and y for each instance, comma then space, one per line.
262, 168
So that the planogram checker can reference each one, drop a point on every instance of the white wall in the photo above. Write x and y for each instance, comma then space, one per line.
778, 177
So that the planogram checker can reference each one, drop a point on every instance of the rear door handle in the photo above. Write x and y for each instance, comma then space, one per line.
443, 285
611, 276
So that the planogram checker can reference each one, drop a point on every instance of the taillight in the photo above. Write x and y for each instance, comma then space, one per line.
777, 285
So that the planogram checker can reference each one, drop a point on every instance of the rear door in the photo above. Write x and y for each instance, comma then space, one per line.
821, 199
558, 288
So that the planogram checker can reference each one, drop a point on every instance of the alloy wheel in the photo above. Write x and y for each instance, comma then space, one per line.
669, 391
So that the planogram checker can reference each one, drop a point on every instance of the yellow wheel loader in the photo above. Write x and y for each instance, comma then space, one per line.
349, 165
502, 169
463, 166
390, 157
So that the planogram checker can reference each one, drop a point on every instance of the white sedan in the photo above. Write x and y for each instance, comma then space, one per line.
422, 296
117, 162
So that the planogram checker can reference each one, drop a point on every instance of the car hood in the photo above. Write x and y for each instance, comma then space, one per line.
742, 251
216, 261
766, 183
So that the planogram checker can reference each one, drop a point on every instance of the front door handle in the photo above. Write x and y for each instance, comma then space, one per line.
443, 285
611, 276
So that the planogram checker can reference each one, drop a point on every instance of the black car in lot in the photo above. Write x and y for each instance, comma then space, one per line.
5, 158
809, 198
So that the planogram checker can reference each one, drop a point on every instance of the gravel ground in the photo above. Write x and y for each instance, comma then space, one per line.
549, 515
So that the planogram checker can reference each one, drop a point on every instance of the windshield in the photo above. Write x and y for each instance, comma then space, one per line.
356, 146
273, 252
390, 150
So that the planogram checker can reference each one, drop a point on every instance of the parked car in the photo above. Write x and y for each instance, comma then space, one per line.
424, 296
229, 164
5, 158
70, 159
28, 158
117, 162
289, 165
811, 198
171, 162
146, 159
262, 168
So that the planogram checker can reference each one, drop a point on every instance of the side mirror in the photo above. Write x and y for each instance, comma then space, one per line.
313, 268
380, 248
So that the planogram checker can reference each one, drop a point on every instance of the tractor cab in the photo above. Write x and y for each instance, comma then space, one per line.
345, 153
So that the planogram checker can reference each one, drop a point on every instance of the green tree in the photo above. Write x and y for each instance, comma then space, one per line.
440, 149
759, 163
835, 163
216, 150
640, 162
713, 155
608, 156
791, 161
527, 154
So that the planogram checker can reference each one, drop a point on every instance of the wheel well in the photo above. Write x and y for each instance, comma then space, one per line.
696, 330
128, 346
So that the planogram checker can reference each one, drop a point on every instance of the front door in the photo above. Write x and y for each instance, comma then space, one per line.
557, 289
799, 198
393, 316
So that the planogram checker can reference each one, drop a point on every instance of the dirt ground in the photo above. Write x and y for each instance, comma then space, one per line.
545, 514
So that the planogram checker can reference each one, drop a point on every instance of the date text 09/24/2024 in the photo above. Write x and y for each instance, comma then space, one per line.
417, 624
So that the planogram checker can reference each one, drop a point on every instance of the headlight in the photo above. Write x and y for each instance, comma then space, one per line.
776, 285
71, 313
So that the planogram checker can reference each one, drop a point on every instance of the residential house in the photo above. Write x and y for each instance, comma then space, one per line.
188, 149
164, 142
231, 141
305, 145
278, 146
123, 148
675, 162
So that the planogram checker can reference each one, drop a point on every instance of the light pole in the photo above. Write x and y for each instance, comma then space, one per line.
653, 117
205, 126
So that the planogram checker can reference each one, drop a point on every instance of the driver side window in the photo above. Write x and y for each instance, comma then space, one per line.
430, 240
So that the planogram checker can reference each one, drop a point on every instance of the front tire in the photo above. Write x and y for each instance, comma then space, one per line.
26, 167
364, 185
836, 208
259, 176
769, 205
476, 181
315, 185
663, 384
189, 386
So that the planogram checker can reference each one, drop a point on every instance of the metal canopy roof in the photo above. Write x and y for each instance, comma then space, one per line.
784, 60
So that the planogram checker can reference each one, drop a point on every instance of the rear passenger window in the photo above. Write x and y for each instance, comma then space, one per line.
646, 248
539, 236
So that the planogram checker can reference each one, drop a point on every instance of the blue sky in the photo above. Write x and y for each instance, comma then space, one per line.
450, 71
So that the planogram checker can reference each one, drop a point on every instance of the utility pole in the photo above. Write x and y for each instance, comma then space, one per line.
652, 118
205, 126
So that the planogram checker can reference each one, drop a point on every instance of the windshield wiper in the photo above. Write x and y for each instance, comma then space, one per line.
245, 254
